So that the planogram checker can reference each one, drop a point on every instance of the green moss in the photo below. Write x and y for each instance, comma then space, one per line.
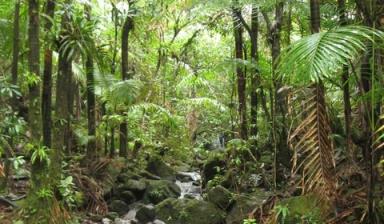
303, 208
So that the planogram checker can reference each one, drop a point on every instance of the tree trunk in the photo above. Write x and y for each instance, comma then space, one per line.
346, 93
255, 72
46, 104
16, 45
34, 69
128, 25
63, 101
241, 79
373, 18
91, 100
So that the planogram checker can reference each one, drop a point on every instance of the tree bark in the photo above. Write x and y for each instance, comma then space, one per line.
346, 93
63, 99
241, 79
127, 27
46, 104
34, 69
255, 73
16, 45
91, 100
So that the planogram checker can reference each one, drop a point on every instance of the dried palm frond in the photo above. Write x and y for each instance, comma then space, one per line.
379, 135
313, 147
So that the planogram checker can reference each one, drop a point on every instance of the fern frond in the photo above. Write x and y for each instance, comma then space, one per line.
313, 147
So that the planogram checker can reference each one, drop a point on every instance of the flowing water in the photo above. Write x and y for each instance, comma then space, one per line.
190, 186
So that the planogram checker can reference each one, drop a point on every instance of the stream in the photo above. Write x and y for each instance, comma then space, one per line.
190, 186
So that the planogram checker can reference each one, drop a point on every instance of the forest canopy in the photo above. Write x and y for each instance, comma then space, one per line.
191, 111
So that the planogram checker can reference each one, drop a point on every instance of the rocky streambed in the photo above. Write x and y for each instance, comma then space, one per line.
160, 194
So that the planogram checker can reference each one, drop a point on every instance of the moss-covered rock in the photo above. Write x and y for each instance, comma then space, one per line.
145, 214
220, 196
159, 168
214, 165
189, 211
118, 206
244, 204
307, 208
159, 190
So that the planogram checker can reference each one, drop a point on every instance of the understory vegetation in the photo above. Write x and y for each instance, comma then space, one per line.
191, 111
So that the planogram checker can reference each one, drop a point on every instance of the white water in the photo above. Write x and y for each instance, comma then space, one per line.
189, 188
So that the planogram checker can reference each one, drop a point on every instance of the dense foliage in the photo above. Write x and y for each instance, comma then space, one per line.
283, 97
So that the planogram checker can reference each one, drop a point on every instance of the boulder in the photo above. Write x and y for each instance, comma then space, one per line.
159, 190
189, 211
127, 196
303, 208
244, 204
213, 166
159, 168
118, 206
146, 214
136, 186
220, 196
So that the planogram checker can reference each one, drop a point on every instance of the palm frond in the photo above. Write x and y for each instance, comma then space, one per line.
379, 134
322, 54
123, 92
313, 147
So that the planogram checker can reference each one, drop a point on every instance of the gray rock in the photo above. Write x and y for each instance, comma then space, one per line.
244, 204
128, 197
145, 214
159, 190
159, 168
188, 211
118, 206
220, 197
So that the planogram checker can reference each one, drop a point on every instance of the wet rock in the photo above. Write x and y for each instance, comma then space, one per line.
212, 167
159, 190
118, 206
159, 168
244, 204
183, 177
149, 175
136, 186
122, 221
220, 196
188, 211
112, 215
146, 214
127, 196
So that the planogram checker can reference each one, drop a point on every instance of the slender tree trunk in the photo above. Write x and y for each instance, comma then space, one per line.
91, 100
112, 150
46, 104
346, 93
34, 69
128, 25
372, 12
241, 79
16, 45
255, 73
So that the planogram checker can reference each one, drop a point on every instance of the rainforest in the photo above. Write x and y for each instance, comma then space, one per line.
191, 111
